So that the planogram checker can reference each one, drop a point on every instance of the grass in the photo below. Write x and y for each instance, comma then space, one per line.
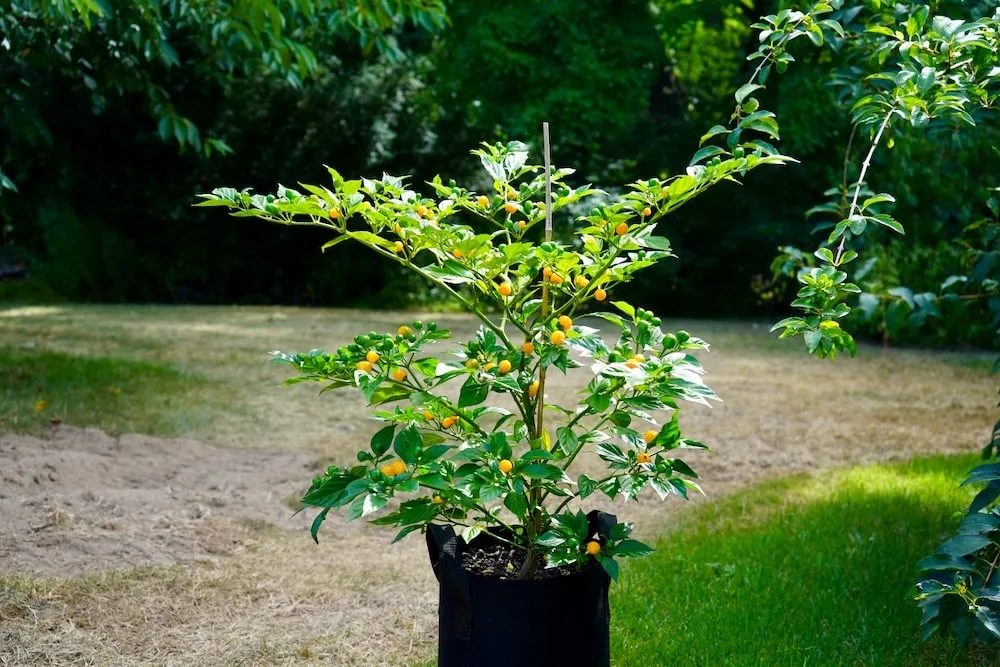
117, 395
801, 571
796, 592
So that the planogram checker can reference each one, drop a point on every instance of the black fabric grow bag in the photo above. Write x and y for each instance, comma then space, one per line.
490, 622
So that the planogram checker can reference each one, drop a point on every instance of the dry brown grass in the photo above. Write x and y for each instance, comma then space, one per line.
274, 603
353, 600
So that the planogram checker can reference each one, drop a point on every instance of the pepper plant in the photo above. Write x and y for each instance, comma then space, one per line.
499, 457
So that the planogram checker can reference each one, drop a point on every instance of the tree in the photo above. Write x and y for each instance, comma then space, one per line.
143, 48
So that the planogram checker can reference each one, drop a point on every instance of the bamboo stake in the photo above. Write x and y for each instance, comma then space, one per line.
540, 418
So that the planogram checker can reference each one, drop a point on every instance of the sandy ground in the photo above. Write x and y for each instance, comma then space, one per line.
140, 550
79, 500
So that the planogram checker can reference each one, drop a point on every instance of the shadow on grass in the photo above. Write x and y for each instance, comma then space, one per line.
798, 572
116, 395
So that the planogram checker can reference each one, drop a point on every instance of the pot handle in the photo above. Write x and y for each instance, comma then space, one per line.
444, 549
601, 523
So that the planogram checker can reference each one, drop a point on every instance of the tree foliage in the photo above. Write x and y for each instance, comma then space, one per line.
627, 91
143, 48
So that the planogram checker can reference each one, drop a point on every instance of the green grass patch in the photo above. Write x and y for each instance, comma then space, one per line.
797, 572
115, 395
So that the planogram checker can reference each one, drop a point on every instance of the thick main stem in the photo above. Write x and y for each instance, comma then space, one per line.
534, 526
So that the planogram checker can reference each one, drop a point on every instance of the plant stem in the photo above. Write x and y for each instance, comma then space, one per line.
993, 567
416, 384
861, 179
570, 497
579, 448
501, 334
487, 531
847, 162
534, 516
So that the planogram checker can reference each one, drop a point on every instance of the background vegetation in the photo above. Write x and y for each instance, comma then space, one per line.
113, 118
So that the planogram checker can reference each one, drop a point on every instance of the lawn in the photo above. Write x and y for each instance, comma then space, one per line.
42, 387
799, 571
748, 571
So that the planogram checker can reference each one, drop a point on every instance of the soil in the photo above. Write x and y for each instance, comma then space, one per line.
78, 500
503, 561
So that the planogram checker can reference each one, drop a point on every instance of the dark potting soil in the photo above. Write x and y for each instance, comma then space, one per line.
504, 562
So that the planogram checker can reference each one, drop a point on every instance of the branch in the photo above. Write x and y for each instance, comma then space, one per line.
861, 179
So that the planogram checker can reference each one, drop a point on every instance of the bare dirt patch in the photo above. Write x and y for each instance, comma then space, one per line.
81, 501
85, 519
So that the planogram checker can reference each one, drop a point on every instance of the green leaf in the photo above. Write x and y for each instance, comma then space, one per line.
815, 34
882, 30
472, 393
626, 308
365, 505
382, 440
611, 567
387, 394
587, 485
877, 199
317, 522
451, 272
682, 185
714, 131
745, 90
427, 366
550, 539
406, 531
663, 490
567, 440
963, 545
599, 402
945, 562
541, 471
470, 533
986, 472
490, 492
408, 443
706, 153
766, 124
812, 338
516, 503
611, 453
433, 452
825, 254
329, 244
979, 523
888, 221
632, 549
984, 498
904, 293
925, 80
369, 238
990, 619
655, 243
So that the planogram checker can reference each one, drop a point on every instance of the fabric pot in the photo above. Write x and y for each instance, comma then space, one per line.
490, 622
